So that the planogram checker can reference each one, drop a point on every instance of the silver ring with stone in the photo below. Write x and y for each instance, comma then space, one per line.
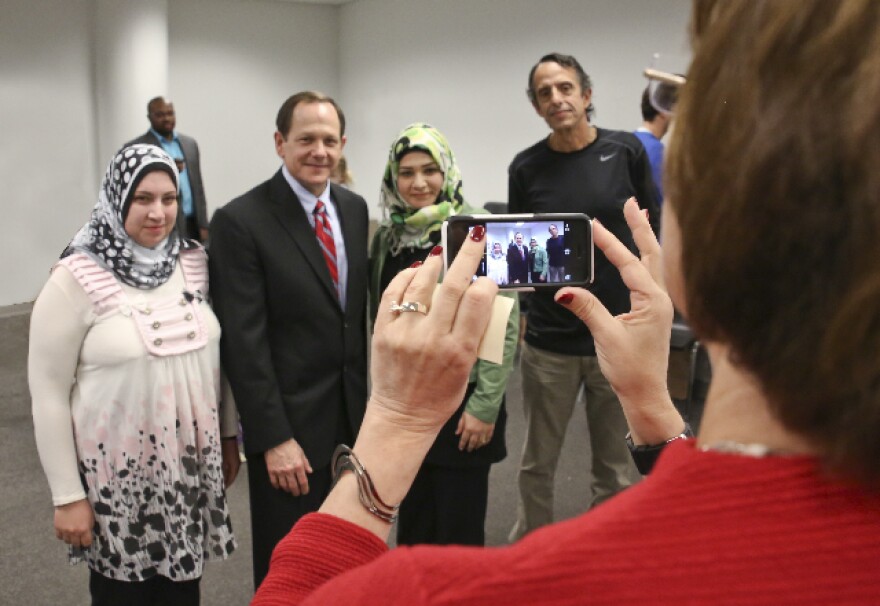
409, 306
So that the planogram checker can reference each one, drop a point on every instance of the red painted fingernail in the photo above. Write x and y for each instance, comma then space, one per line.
435, 251
565, 299
416, 264
478, 233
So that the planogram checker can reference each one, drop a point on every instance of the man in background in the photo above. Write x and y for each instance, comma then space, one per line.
655, 125
192, 213
517, 261
555, 255
582, 169
289, 283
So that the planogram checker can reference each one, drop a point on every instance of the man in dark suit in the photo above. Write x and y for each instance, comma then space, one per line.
192, 212
289, 284
517, 261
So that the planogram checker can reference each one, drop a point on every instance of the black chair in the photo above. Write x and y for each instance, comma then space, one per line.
496, 208
699, 372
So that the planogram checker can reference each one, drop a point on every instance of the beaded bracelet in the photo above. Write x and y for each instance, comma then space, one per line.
344, 459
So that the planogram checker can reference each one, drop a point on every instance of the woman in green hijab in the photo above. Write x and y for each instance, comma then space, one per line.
421, 189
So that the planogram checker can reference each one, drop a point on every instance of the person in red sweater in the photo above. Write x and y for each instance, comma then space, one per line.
771, 252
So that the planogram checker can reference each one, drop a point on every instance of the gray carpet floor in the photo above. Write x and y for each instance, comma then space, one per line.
33, 565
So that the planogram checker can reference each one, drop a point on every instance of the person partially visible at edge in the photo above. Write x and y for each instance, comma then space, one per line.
192, 211
341, 175
124, 373
771, 254
578, 168
289, 274
447, 503
655, 125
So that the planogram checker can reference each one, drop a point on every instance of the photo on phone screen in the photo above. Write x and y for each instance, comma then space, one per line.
529, 251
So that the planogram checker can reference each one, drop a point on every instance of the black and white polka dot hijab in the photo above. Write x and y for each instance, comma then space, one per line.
104, 237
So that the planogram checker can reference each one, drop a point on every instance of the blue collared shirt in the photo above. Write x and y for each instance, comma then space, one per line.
174, 150
309, 201
654, 149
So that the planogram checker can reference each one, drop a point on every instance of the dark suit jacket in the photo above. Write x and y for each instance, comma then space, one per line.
517, 266
296, 361
194, 169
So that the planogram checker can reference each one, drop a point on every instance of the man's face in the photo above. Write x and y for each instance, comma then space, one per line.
553, 231
162, 118
311, 149
558, 96
518, 239
533, 243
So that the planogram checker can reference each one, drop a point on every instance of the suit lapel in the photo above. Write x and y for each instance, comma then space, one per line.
155, 140
286, 206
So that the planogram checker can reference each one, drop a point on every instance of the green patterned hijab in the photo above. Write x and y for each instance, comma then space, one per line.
409, 227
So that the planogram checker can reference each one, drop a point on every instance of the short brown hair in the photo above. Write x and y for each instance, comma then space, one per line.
649, 112
773, 175
285, 113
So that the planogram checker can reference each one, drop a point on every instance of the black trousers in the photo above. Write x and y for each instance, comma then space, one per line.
156, 591
274, 512
445, 506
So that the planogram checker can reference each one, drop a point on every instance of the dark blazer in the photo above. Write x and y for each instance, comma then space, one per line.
193, 166
296, 361
517, 265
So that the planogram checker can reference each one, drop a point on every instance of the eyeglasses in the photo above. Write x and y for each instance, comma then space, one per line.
663, 89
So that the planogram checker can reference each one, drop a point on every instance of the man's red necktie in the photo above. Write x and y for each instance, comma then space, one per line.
324, 233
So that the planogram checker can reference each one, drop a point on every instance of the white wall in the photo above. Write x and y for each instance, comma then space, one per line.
47, 137
462, 65
130, 66
233, 64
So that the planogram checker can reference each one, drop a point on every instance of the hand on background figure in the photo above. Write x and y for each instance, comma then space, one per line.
288, 467
474, 432
74, 523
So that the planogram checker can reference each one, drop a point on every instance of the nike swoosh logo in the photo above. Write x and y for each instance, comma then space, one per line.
606, 158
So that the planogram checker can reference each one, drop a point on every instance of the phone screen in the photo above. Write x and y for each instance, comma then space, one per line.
529, 251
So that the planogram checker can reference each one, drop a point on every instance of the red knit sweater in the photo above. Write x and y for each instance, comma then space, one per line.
703, 528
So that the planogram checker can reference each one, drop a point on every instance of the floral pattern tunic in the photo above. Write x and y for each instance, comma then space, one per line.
145, 413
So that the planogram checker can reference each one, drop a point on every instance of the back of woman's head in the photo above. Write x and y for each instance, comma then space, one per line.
774, 175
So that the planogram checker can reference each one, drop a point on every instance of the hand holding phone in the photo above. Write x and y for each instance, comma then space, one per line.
526, 251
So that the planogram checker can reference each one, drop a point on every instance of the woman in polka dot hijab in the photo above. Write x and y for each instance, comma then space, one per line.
104, 238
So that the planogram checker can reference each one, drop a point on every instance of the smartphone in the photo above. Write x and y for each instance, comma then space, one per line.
526, 251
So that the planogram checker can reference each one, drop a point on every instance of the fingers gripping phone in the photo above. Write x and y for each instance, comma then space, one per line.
526, 251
